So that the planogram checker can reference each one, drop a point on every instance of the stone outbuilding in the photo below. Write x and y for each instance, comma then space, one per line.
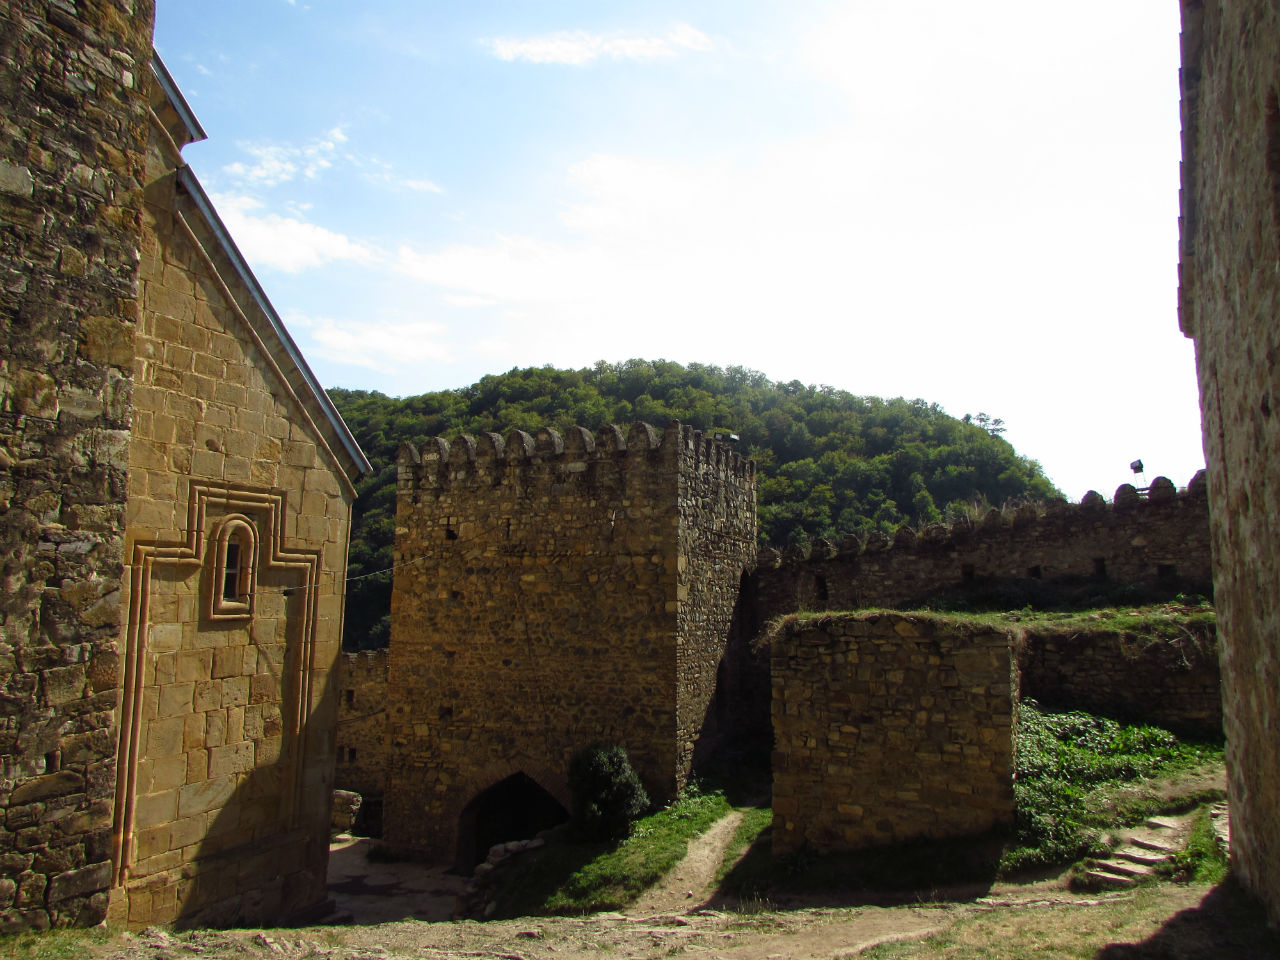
179, 494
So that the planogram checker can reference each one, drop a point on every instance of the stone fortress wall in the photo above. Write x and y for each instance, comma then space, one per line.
889, 728
1230, 305
1174, 683
361, 765
72, 138
551, 593
1160, 538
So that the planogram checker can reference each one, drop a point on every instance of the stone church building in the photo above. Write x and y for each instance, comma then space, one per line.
178, 493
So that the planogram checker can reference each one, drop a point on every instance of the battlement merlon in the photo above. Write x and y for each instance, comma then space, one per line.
940, 536
442, 462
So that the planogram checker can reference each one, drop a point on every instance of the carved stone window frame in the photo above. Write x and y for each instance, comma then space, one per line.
239, 531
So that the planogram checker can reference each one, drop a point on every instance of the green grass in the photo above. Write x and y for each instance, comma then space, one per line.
1204, 860
1188, 619
1066, 764
52, 944
755, 820
576, 877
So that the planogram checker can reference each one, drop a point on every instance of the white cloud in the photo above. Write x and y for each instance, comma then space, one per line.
422, 186
273, 163
577, 47
285, 243
388, 344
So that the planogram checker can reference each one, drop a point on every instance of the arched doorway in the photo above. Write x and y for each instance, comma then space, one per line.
512, 809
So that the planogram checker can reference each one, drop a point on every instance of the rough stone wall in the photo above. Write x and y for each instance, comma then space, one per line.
888, 728
1174, 684
72, 132
1130, 541
361, 684
716, 544
227, 714
1230, 305
538, 606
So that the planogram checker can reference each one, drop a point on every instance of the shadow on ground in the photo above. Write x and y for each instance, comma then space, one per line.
1227, 925
368, 891
955, 870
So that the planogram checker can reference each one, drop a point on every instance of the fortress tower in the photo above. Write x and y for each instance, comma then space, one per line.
550, 594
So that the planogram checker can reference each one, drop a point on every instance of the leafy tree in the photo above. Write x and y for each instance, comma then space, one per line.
830, 462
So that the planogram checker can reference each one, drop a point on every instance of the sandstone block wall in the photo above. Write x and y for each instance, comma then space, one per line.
72, 133
1163, 538
889, 728
552, 593
1230, 305
361, 684
1175, 684
227, 714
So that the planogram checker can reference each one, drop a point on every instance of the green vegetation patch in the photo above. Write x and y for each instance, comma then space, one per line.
1204, 860
570, 876
53, 944
1066, 765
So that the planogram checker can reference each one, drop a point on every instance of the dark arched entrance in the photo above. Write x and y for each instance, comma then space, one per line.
512, 809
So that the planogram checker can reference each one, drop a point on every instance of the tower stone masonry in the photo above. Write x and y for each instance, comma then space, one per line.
551, 593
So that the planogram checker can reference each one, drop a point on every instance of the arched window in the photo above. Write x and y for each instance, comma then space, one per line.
235, 564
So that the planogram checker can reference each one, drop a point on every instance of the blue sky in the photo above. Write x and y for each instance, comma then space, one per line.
975, 204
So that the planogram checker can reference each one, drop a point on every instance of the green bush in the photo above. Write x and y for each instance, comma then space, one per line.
605, 792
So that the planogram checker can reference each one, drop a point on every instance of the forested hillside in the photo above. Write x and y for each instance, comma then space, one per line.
831, 462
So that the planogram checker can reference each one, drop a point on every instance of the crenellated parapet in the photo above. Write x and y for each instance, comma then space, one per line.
1155, 500
1156, 535
547, 453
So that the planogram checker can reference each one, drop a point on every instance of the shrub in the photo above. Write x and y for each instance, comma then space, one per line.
606, 793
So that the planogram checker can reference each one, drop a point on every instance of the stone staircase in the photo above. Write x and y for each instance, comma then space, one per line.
1141, 852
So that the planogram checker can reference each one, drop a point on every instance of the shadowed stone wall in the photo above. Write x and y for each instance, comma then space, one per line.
1230, 305
1172, 683
72, 135
551, 594
887, 728
361, 684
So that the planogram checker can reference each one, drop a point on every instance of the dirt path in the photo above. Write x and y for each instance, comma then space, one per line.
1165, 922
687, 885
395, 912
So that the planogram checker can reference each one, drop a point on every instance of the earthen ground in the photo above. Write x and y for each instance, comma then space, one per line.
396, 911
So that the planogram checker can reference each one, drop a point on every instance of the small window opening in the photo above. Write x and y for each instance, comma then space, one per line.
1035, 573
450, 533
967, 572
349, 696
351, 754
1100, 567
53, 761
234, 554
231, 573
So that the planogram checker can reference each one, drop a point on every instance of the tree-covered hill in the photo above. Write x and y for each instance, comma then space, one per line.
831, 463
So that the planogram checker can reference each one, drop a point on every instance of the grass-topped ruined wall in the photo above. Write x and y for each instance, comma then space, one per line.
551, 593
890, 727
